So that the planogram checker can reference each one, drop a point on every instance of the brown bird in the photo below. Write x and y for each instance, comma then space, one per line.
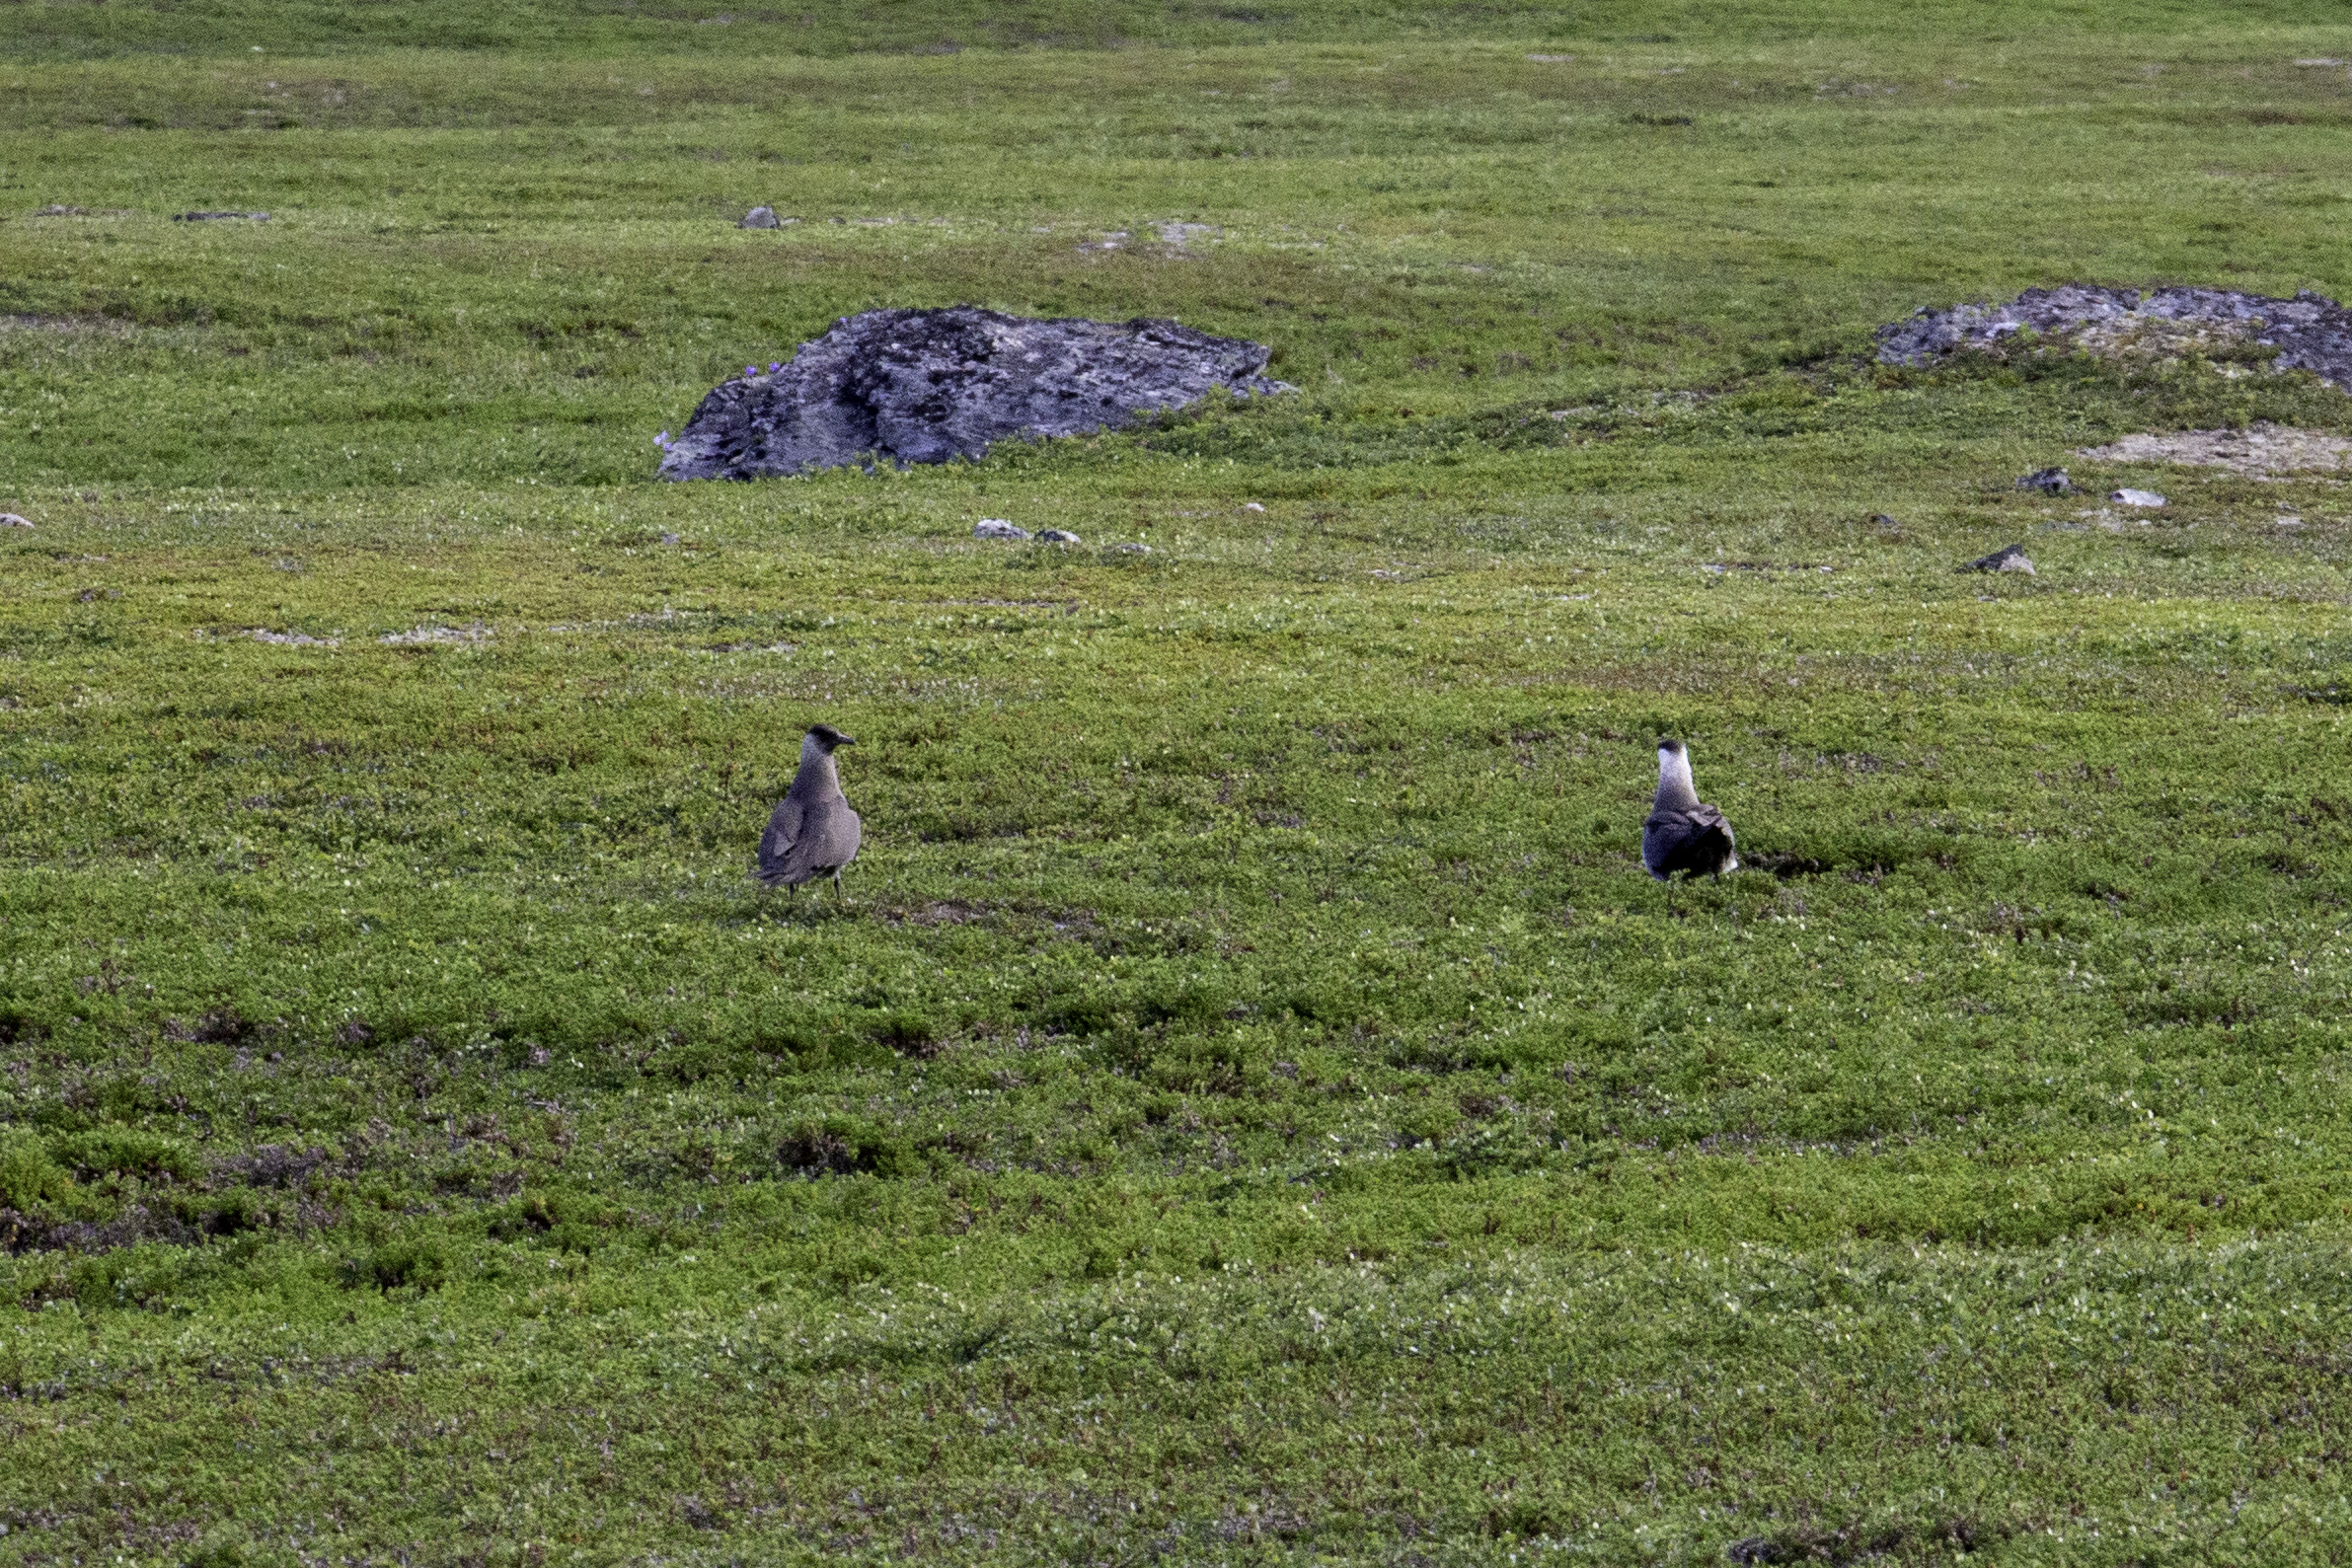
1684, 834
813, 832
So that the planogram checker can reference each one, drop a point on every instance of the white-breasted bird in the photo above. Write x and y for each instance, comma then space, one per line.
813, 832
1684, 834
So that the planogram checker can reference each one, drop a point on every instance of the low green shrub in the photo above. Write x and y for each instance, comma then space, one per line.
126, 1151
30, 1179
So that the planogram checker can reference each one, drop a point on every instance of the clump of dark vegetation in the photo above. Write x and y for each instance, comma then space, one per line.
410, 1263
837, 1147
1864, 1542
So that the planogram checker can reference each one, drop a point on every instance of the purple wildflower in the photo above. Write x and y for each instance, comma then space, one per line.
751, 370
663, 439
774, 366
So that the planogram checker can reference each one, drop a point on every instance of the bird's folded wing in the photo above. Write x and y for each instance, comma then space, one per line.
1688, 819
783, 830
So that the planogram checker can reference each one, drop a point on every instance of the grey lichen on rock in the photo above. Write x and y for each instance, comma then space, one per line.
2311, 331
924, 386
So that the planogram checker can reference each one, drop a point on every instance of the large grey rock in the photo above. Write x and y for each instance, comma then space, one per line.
923, 386
759, 218
997, 528
1921, 338
2311, 330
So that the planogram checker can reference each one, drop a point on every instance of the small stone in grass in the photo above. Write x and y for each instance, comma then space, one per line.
12, 520
2131, 497
1251, 506
2049, 481
759, 218
1058, 535
997, 528
1130, 550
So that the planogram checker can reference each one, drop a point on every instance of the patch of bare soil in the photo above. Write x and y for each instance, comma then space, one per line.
938, 914
2260, 450
67, 325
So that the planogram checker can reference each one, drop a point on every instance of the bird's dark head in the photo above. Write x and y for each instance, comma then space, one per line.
1668, 746
828, 737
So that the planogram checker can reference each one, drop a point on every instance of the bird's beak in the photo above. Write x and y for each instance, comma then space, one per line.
843, 741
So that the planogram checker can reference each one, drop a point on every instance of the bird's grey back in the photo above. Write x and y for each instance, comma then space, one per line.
1696, 841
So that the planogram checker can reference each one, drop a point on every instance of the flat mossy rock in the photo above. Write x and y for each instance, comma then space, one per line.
923, 386
2311, 331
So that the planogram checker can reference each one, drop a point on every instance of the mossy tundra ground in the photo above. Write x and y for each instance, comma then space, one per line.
1252, 1106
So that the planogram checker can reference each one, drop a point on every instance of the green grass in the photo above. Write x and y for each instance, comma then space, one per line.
63, 29
1252, 1108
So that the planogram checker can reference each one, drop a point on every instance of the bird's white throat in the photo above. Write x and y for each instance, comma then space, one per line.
1674, 773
